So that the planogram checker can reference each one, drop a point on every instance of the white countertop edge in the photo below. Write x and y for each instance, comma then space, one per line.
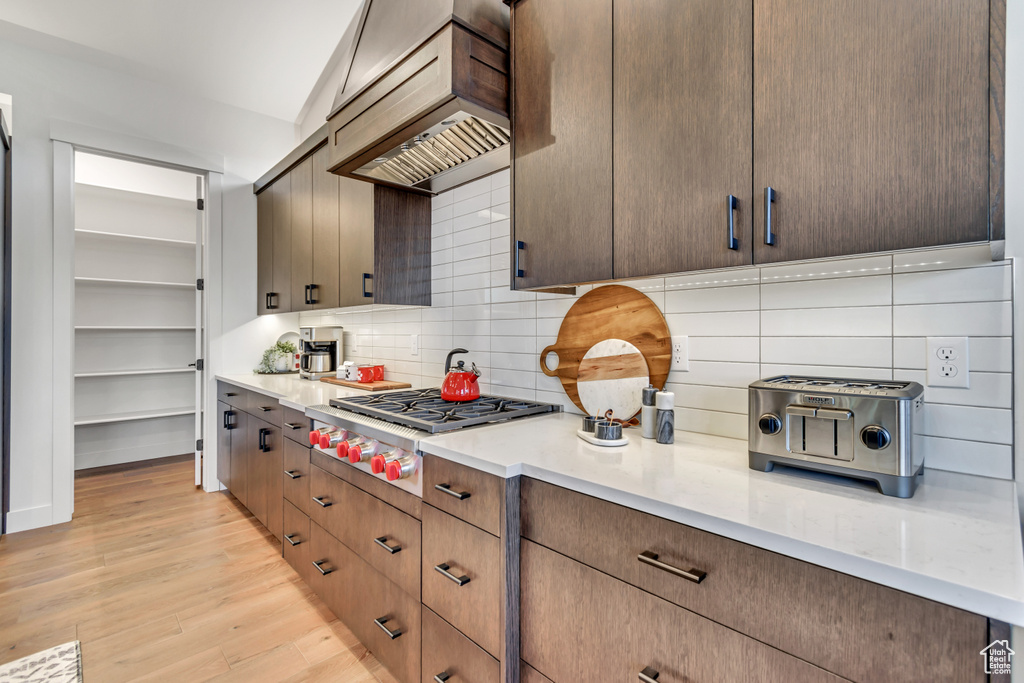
992, 605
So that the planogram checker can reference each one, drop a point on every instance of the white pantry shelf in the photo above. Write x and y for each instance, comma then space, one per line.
133, 416
137, 328
134, 283
137, 238
125, 373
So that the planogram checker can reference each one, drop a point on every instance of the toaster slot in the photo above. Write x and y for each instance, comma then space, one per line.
824, 432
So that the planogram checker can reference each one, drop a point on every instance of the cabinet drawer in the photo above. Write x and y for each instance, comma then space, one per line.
581, 625
296, 541
846, 625
235, 397
448, 652
361, 597
296, 425
473, 558
295, 475
265, 408
386, 538
469, 494
325, 501
527, 674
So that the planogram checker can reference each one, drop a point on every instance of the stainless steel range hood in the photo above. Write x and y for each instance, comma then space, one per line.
424, 104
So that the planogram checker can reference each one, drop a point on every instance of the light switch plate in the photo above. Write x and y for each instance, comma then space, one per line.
948, 362
414, 344
681, 353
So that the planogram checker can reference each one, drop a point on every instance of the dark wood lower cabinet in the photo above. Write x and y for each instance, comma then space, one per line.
446, 652
581, 625
264, 465
295, 541
381, 615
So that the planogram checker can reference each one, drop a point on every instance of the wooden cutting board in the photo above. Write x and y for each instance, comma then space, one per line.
609, 312
612, 376
384, 385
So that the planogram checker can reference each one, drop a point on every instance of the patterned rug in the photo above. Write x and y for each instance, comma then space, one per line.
61, 664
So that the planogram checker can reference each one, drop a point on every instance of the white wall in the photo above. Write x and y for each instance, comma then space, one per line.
49, 89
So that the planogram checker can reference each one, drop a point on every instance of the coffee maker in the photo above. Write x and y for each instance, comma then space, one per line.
321, 351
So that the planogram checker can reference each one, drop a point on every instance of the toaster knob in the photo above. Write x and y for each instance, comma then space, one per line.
769, 424
875, 437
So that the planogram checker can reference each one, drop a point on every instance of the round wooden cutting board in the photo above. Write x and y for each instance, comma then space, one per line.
612, 376
605, 313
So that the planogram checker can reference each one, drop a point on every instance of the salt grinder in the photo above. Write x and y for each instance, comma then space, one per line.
666, 428
648, 412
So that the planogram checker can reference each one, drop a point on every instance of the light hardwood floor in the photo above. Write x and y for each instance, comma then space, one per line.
162, 582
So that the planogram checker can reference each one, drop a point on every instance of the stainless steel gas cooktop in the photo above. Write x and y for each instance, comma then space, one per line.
424, 409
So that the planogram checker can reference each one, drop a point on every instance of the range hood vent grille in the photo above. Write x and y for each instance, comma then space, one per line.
426, 156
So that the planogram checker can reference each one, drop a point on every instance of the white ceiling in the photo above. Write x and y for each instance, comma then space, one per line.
260, 55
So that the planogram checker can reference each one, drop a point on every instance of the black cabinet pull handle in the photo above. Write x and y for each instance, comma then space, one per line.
263, 439
391, 634
520, 245
293, 474
770, 196
306, 298
270, 300
320, 568
367, 276
230, 394
382, 542
264, 409
447, 488
291, 539
442, 677
649, 675
312, 295
227, 419
294, 425
731, 205
649, 558
458, 580
321, 502
266, 301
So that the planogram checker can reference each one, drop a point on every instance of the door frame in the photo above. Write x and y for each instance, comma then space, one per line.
68, 138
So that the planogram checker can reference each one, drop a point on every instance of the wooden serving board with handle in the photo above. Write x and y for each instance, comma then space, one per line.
384, 385
609, 312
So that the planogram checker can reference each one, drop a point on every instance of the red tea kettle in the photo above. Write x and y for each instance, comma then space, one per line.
459, 384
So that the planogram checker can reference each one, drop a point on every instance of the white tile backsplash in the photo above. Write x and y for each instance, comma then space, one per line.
863, 317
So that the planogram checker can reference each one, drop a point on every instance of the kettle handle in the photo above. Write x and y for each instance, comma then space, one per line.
448, 360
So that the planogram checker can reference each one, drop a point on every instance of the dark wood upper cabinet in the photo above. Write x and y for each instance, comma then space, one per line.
682, 135
871, 125
355, 200
561, 141
302, 233
264, 251
281, 294
324, 292
401, 247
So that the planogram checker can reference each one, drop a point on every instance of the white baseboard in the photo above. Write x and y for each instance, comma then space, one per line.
84, 461
31, 518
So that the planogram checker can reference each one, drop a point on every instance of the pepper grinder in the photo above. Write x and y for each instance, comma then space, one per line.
666, 417
648, 413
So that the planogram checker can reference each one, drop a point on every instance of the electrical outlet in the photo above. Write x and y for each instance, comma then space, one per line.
681, 353
414, 344
948, 362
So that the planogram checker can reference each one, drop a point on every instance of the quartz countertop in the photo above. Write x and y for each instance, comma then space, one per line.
957, 541
290, 389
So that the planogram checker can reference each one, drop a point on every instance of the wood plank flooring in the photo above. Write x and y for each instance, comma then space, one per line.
163, 582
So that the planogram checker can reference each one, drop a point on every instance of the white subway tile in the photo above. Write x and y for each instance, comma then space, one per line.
943, 258
441, 228
469, 221
545, 383
478, 205
949, 286
504, 294
840, 371
472, 312
517, 392
721, 399
554, 308
440, 243
500, 261
548, 327
559, 398
717, 374
730, 324
471, 297
500, 196
471, 266
501, 212
436, 341
987, 390
968, 457
440, 306
436, 328
828, 269
471, 251
513, 378
440, 270
501, 179
514, 311
439, 257
473, 189
441, 200
730, 425
463, 328
738, 349
836, 293
870, 321
736, 277
872, 352
471, 236
986, 354
474, 281
982, 319
502, 229
991, 425
514, 328
713, 300
442, 213
513, 361
515, 345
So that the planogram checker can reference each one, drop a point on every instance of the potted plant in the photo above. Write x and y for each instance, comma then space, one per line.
278, 358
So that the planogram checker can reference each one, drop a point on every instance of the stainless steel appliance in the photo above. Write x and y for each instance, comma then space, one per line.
382, 431
321, 351
856, 428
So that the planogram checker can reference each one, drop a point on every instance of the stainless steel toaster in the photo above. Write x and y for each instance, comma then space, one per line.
855, 428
